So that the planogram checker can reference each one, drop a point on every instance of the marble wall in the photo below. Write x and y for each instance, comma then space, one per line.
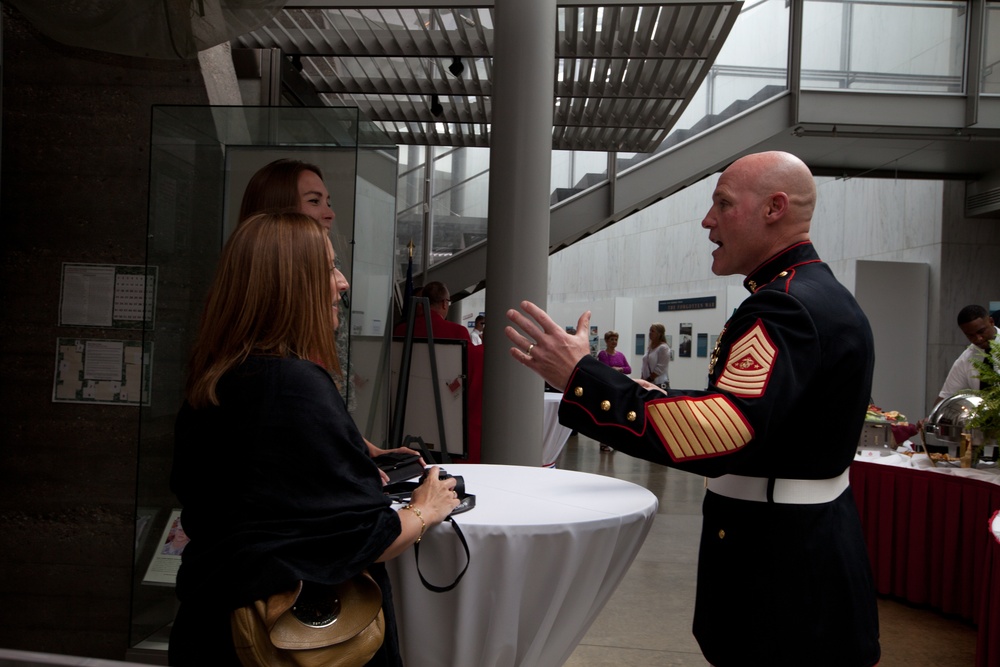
75, 170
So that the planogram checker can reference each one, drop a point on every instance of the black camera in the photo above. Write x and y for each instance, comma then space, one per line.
443, 474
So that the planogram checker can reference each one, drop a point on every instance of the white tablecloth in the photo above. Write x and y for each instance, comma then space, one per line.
548, 547
554, 434
987, 472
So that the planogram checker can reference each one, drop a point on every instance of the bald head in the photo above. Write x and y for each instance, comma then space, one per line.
762, 204
766, 174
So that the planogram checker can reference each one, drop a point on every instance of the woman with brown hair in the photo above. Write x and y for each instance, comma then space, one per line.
288, 184
274, 478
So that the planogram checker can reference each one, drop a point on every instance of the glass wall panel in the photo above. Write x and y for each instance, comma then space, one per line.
561, 169
914, 46
468, 198
751, 68
201, 159
410, 191
575, 171
457, 212
459, 175
410, 209
991, 50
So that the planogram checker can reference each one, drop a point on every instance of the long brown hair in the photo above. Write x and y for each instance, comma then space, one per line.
274, 187
271, 295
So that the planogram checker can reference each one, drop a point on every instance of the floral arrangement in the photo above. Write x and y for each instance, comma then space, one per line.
987, 415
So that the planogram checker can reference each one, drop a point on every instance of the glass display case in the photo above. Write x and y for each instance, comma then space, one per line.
201, 159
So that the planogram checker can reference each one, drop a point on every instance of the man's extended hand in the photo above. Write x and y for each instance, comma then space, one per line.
545, 347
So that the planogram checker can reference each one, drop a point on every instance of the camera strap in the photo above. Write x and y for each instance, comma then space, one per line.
400, 492
465, 545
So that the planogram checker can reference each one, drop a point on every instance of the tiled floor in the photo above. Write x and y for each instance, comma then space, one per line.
647, 621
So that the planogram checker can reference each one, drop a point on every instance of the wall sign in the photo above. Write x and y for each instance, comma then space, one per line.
697, 303
102, 371
118, 296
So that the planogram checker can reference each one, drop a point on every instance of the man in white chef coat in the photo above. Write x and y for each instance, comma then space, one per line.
977, 325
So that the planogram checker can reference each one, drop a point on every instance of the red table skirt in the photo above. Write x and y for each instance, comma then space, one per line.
930, 543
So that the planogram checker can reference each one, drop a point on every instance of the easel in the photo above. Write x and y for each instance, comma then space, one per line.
399, 413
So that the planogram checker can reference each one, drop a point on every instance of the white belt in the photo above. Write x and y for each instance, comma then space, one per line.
786, 491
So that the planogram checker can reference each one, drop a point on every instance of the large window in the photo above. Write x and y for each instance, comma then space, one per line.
913, 46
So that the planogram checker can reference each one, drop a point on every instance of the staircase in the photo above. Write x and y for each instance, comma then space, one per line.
643, 179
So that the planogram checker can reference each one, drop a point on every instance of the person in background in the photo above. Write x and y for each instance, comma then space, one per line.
287, 184
477, 330
274, 479
611, 358
980, 329
656, 361
439, 299
784, 578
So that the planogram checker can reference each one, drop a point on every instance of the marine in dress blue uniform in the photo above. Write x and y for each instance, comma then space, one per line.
780, 581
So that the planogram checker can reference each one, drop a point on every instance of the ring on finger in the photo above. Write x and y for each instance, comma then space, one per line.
528, 351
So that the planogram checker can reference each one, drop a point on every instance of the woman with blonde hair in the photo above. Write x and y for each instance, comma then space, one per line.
273, 476
657, 358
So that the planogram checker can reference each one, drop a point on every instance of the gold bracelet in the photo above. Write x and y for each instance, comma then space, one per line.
423, 524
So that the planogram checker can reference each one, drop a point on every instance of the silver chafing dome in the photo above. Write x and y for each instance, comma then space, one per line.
950, 418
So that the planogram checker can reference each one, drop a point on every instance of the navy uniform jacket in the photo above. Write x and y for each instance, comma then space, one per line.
789, 383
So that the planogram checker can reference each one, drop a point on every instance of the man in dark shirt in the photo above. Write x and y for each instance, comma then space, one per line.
783, 573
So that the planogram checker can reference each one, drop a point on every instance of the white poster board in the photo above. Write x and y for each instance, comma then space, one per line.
421, 414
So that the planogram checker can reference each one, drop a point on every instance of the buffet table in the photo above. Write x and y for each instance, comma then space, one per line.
548, 548
554, 434
929, 539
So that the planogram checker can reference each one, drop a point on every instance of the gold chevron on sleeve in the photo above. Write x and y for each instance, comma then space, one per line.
748, 367
694, 428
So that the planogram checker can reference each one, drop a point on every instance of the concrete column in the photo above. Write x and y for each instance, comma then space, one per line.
517, 261
459, 172
220, 75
